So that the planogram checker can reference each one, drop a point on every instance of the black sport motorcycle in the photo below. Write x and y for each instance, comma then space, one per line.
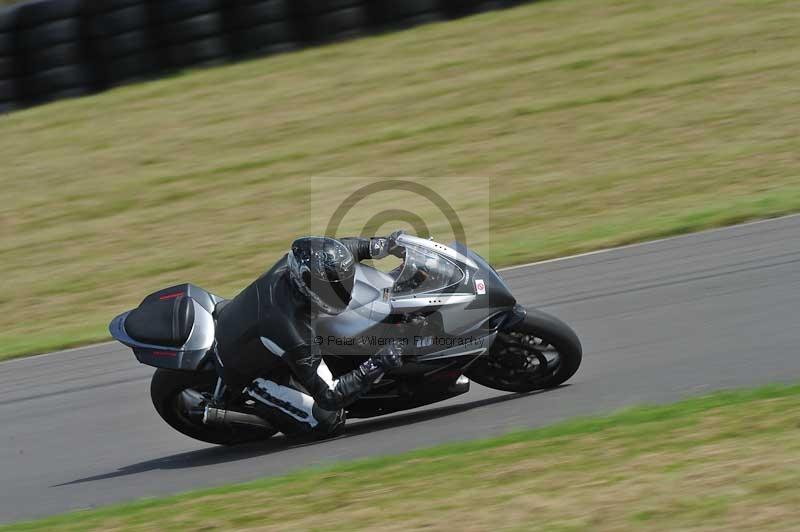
446, 302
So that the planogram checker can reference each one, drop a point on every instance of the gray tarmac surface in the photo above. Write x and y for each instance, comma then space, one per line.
659, 322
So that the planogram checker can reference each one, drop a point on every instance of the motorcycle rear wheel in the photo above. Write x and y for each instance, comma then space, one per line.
170, 389
539, 352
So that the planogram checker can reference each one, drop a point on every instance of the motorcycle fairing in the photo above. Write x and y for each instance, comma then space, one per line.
454, 309
367, 308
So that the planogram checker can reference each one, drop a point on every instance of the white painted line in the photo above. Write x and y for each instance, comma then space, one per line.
41, 355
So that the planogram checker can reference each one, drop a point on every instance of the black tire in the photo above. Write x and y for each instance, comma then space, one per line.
63, 94
100, 6
130, 67
66, 77
337, 24
6, 43
318, 7
165, 388
123, 44
172, 10
192, 29
551, 330
206, 51
56, 80
55, 56
7, 67
417, 20
390, 11
111, 23
41, 11
8, 18
8, 90
51, 34
460, 8
267, 38
246, 14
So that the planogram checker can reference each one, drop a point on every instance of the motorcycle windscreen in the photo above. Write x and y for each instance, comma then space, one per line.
425, 271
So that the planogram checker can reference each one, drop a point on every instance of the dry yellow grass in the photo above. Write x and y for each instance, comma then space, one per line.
591, 122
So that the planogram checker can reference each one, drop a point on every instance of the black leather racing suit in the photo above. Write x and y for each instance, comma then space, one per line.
271, 321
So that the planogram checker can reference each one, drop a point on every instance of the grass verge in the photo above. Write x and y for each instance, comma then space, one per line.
727, 461
592, 122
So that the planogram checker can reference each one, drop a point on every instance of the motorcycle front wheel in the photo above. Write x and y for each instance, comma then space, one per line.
178, 395
539, 352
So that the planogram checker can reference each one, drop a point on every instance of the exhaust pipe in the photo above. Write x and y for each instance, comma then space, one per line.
228, 418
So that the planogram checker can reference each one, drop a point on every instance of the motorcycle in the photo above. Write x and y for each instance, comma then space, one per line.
455, 313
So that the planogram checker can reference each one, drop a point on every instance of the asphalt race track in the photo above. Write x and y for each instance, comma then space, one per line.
659, 322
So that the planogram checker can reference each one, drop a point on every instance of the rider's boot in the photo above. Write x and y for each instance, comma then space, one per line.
294, 412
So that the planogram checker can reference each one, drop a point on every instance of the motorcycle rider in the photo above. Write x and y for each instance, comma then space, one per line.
272, 320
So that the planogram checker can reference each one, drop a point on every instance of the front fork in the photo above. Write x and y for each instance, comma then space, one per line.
514, 316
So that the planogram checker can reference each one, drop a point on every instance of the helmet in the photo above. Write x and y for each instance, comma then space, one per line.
323, 269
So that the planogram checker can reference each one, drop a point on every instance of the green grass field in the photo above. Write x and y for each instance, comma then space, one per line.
728, 461
593, 123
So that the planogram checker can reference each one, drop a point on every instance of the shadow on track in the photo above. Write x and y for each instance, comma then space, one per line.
221, 454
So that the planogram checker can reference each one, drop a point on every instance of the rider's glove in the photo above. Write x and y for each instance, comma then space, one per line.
388, 358
380, 248
394, 248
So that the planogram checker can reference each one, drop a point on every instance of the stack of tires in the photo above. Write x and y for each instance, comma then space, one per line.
391, 14
120, 41
461, 8
8, 62
190, 32
260, 27
51, 51
321, 21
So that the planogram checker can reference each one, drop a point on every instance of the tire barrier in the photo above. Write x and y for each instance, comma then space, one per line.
259, 27
8, 61
120, 43
321, 21
51, 58
461, 8
391, 14
189, 33
52, 49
